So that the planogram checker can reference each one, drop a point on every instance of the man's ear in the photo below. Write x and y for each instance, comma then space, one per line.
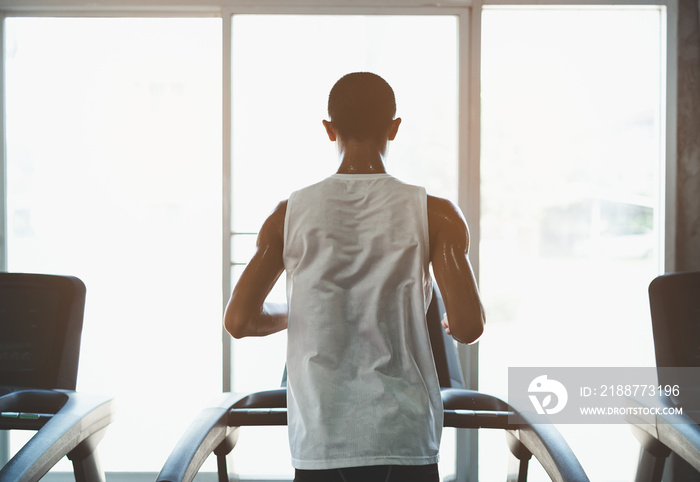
393, 128
330, 130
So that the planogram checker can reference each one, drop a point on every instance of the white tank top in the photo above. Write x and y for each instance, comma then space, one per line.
362, 386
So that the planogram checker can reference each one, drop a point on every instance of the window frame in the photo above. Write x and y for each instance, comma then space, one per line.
468, 14
467, 166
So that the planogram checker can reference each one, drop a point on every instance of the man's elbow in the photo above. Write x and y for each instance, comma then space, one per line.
469, 337
234, 325
236, 333
233, 329
470, 333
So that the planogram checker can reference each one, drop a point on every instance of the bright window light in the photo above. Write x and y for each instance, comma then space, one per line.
570, 168
113, 170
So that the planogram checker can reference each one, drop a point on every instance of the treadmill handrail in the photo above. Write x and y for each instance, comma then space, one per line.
463, 409
206, 432
82, 416
679, 432
541, 440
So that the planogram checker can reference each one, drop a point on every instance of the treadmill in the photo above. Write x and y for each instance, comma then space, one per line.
41, 319
216, 428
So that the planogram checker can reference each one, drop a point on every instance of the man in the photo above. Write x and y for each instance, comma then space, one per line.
363, 395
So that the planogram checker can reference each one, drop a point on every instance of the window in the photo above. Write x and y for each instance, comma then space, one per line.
280, 145
113, 165
572, 149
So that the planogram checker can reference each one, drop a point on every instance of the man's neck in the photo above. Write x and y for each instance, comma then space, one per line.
363, 157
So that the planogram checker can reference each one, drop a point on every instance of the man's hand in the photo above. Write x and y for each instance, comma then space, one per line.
446, 325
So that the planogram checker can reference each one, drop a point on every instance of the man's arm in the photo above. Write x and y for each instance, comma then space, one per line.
449, 249
247, 314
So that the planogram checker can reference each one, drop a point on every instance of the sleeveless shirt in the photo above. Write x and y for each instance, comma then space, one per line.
362, 387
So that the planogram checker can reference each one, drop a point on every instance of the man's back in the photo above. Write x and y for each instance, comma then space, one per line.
362, 383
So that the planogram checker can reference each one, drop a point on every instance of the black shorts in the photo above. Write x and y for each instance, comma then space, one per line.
372, 473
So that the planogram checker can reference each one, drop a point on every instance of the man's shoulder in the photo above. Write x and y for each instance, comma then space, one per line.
443, 208
446, 224
319, 184
274, 224
280, 211
307, 194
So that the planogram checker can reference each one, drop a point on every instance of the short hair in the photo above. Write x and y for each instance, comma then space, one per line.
361, 106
